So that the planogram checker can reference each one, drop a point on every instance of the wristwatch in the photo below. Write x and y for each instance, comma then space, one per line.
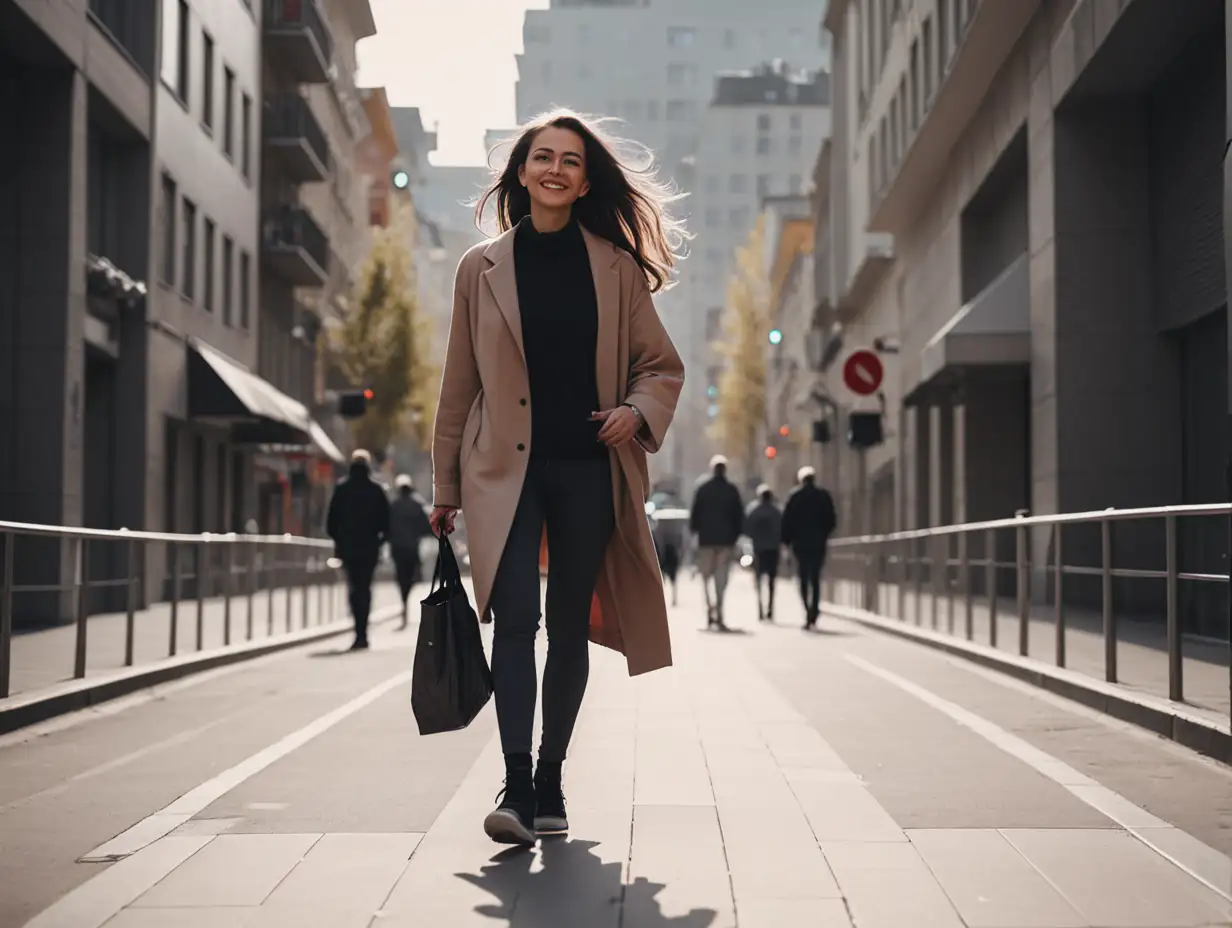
641, 420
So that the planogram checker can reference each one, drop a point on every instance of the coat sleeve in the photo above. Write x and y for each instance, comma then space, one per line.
459, 386
656, 372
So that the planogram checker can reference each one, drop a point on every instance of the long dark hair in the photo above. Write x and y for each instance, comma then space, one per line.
626, 205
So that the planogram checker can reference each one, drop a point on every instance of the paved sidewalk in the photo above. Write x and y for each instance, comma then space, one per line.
1142, 650
701, 797
45, 657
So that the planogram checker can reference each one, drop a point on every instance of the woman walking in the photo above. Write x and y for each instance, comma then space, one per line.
558, 379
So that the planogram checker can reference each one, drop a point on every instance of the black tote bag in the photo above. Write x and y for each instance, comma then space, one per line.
450, 680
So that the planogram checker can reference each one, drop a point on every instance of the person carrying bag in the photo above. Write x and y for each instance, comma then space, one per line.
450, 679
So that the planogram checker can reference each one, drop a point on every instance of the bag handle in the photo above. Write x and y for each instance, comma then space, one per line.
446, 571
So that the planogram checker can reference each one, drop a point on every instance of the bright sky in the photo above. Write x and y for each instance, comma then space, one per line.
454, 60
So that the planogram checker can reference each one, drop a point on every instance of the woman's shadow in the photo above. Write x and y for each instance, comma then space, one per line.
572, 887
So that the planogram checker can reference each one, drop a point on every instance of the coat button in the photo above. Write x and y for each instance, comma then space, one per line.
523, 402
521, 447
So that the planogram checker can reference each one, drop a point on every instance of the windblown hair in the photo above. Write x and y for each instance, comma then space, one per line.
626, 205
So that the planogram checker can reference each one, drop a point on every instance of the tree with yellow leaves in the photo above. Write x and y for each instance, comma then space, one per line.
384, 344
746, 322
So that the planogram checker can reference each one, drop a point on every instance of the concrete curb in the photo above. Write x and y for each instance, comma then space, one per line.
25, 709
1161, 716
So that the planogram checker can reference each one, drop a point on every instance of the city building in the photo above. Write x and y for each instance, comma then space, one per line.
314, 222
652, 65
757, 139
788, 224
1025, 204
75, 274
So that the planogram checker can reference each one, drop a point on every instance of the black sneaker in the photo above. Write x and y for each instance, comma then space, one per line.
550, 817
513, 821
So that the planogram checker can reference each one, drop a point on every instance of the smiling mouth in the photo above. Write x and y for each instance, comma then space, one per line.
552, 185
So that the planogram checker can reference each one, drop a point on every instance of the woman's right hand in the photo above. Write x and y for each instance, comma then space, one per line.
441, 520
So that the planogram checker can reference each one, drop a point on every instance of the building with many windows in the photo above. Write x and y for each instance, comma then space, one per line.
1025, 201
760, 133
652, 65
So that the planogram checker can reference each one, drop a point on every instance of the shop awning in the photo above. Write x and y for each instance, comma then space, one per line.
992, 330
223, 391
324, 443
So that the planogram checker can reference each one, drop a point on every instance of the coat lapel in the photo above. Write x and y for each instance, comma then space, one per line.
606, 274
503, 282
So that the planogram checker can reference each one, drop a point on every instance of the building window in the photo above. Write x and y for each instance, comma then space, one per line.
797, 122
245, 290
207, 81
246, 136
681, 36
763, 122
739, 183
189, 277
797, 183
763, 185
228, 112
169, 199
714, 323
712, 183
915, 84
894, 131
874, 173
173, 50
679, 110
884, 147
740, 218
763, 145
712, 217
902, 113
928, 62
228, 280
870, 36
739, 144
681, 75
795, 145
207, 267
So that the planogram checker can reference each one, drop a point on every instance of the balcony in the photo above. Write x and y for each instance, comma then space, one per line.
294, 247
296, 35
294, 139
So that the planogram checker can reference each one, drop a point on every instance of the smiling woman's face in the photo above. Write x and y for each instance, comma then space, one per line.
555, 170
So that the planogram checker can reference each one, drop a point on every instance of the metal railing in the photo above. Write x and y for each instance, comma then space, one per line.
292, 226
283, 14
288, 116
945, 560
230, 566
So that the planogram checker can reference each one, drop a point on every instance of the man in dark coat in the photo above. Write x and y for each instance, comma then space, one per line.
764, 527
717, 519
358, 522
809, 519
408, 526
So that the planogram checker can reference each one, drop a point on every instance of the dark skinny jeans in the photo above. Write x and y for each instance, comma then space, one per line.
573, 499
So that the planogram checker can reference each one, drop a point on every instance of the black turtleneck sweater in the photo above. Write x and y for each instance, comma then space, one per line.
560, 326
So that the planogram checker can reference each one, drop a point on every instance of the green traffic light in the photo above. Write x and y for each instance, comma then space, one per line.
775, 336
402, 180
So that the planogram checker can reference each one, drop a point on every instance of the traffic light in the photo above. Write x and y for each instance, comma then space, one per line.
776, 336
821, 432
353, 404
771, 452
401, 180
785, 431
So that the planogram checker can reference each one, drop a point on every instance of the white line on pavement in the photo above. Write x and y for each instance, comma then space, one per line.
167, 819
1205, 864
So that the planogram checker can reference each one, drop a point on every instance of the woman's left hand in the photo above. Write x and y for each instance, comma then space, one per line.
619, 425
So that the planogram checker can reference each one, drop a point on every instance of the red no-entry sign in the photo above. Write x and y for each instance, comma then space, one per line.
862, 372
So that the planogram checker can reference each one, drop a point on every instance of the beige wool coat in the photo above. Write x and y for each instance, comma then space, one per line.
481, 443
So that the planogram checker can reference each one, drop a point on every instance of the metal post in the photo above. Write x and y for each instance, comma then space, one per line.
201, 575
1058, 581
919, 582
990, 581
1110, 630
272, 575
949, 588
250, 582
320, 596
290, 585
303, 586
130, 612
964, 558
1176, 668
176, 581
83, 589
1022, 592
6, 613
227, 581
936, 573
901, 575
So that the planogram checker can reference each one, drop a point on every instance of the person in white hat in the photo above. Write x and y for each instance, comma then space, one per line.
717, 519
809, 518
